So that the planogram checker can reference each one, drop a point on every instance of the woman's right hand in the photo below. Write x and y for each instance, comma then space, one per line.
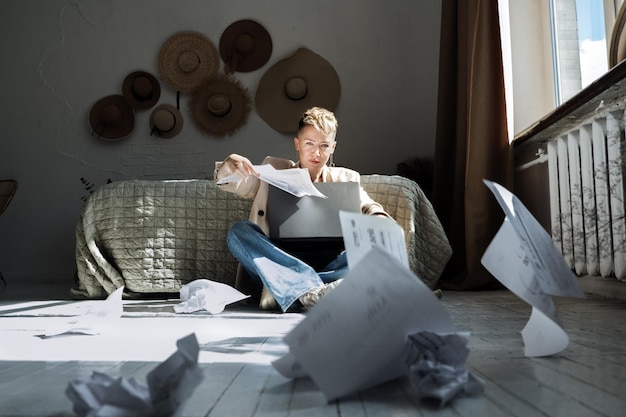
241, 166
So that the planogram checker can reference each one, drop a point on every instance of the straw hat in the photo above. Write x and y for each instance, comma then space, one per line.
187, 60
293, 85
166, 121
112, 118
141, 89
245, 46
221, 107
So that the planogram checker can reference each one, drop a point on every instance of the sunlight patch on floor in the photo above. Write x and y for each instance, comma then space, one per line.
146, 332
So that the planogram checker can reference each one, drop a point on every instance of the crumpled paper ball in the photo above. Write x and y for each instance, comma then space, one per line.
203, 294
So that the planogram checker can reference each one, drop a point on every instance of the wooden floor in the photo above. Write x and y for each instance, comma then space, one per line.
237, 347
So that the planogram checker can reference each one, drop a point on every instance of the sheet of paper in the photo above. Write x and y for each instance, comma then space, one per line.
506, 259
346, 342
92, 317
552, 272
361, 233
294, 181
543, 336
523, 257
289, 366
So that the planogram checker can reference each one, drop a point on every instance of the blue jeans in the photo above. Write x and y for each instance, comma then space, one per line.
284, 275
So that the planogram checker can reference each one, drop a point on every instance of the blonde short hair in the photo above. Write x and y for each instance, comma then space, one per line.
321, 119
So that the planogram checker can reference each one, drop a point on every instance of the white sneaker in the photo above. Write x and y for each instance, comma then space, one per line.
268, 302
310, 298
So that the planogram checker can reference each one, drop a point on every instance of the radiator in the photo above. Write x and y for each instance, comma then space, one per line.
586, 168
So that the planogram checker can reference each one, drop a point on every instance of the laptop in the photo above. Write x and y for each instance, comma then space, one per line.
309, 227
309, 217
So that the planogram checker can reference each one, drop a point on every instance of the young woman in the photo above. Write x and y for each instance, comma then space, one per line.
287, 278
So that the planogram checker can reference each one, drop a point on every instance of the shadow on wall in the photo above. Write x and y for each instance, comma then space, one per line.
89, 187
420, 170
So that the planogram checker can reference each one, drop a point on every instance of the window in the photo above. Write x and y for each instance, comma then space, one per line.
553, 49
578, 43
592, 39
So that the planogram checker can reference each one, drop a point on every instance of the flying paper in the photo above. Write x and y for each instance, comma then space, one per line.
523, 257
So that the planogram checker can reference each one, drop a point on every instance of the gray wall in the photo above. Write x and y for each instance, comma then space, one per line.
61, 56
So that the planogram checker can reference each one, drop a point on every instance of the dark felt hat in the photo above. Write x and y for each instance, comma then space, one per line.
245, 46
141, 89
166, 121
112, 118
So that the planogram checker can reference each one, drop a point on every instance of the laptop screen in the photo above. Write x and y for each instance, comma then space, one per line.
291, 217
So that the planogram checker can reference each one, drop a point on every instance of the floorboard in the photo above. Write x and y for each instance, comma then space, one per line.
237, 347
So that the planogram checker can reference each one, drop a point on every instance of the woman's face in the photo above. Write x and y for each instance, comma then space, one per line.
314, 148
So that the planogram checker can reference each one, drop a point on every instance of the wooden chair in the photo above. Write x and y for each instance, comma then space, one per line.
8, 189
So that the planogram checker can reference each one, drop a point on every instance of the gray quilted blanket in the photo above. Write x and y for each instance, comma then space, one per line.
155, 236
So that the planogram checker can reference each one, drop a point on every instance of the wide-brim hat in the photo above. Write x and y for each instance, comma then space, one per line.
112, 118
221, 107
166, 121
141, 89
293, 85
245, 46
187, 60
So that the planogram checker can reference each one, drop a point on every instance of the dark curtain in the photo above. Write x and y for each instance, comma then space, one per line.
472, 141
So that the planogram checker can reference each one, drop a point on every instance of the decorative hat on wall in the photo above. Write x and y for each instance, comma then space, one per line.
245, 46
220, 107
112, 118
293, 85
187, 60
141, 89
166, 121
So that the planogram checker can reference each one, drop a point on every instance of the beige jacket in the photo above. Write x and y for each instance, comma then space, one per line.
252, 187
